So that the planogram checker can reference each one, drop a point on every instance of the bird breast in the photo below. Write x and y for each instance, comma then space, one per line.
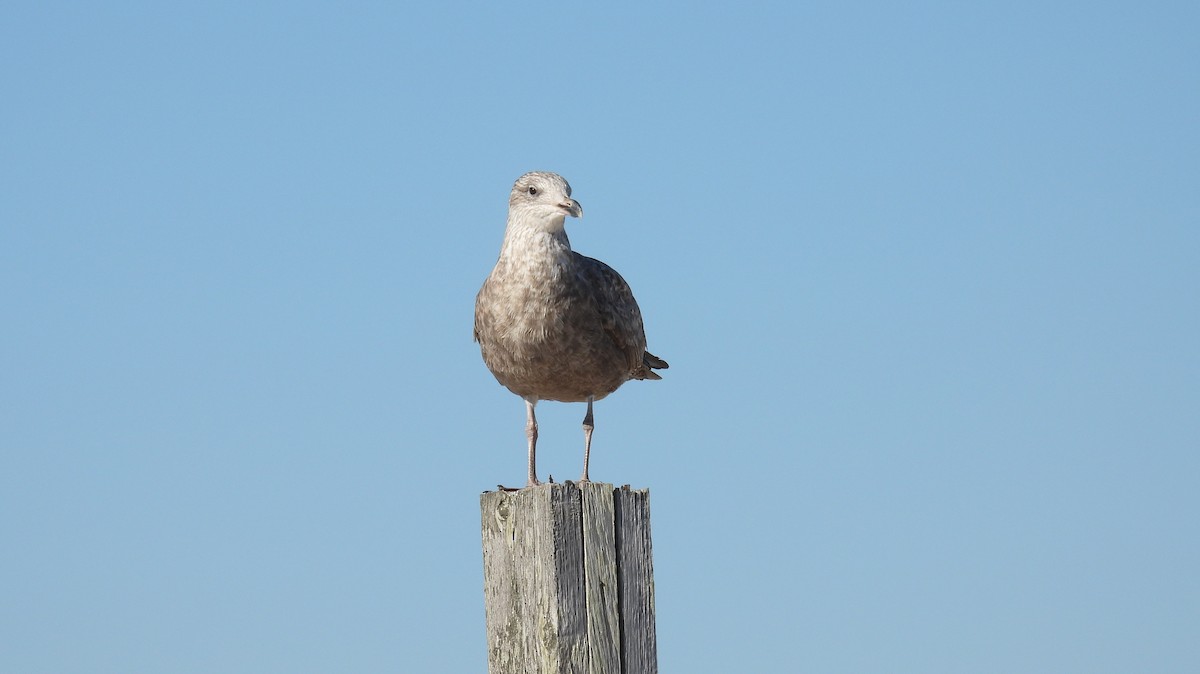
524, 286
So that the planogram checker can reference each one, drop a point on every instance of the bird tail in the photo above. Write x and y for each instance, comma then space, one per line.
651, 362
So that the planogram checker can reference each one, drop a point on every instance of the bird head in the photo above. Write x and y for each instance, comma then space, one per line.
543, 198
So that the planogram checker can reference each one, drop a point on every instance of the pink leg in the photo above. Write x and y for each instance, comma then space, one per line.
588, 427
531, 434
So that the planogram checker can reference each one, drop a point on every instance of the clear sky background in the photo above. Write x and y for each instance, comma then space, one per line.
928, 278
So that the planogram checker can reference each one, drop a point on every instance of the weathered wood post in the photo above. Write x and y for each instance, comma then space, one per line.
568, 580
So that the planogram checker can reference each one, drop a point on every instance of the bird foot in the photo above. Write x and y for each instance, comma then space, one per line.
533, 482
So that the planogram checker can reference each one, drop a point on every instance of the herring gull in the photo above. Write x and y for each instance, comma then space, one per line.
553, 324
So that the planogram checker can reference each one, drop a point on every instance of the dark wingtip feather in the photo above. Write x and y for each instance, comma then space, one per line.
651, 360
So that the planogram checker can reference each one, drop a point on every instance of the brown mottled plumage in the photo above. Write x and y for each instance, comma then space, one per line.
553, 324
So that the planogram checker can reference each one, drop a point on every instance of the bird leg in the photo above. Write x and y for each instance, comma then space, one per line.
531, 434
588, 427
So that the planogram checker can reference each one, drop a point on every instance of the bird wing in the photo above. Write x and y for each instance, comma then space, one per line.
480, 318
614, 303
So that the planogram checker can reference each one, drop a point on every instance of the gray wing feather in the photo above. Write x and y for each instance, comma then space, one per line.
620, 316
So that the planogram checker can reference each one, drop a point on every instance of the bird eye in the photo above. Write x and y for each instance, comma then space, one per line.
532, 191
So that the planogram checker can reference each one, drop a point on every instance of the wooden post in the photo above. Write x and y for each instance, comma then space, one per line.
568, 580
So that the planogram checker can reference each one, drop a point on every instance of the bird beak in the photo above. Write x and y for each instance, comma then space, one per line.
572, 208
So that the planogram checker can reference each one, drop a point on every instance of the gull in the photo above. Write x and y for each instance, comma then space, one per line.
553, 324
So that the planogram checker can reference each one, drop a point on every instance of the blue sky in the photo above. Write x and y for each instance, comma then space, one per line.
927, 278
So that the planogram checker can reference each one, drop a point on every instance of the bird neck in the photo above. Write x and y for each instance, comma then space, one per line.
528, 240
